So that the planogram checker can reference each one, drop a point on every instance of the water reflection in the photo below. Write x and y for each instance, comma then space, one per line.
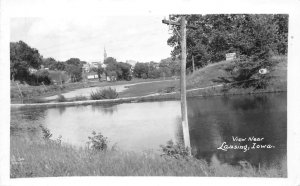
214, 122
107, 109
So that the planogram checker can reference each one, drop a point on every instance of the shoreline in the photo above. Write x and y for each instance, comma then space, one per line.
148, 98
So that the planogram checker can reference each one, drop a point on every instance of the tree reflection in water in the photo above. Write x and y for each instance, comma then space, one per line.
213, 121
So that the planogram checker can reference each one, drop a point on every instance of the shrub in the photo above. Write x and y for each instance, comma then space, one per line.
107, 93
97, 141
46, 133
80, 98
61, 98
175, 150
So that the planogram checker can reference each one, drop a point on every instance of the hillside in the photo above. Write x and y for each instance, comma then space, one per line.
206, 76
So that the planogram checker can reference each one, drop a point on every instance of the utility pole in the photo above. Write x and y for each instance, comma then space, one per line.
184, 118
193, 64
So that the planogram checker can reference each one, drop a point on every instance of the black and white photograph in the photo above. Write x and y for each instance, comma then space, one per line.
172, 94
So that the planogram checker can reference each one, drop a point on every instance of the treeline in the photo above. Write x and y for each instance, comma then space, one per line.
165, 68
244, 34
253, 37
26, 63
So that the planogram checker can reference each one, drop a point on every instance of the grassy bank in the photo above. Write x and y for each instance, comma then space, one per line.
36, 93
209, 75
46, 158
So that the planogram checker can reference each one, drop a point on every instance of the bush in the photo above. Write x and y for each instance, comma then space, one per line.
61, 98
46, 133
97, 141
175, 150
80, 98
107, 93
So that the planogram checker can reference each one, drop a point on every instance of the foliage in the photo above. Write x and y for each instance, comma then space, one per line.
99, 70
119, 70
124, 71
169, 67
218, 34
52, 64
61, 98
80, 98
141, 69
106, 93
98, 142
166, 68
75, 72
46, 133
172, 150
43, 76
22, 58
255, 38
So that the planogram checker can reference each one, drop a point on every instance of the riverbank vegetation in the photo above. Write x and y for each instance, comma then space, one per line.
106, 93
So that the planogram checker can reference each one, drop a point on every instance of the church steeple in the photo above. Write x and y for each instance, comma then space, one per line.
105, 54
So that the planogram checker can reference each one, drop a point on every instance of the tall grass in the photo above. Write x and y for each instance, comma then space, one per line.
106, 93
48, 158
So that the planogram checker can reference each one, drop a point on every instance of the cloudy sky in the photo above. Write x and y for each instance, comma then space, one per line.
140, 38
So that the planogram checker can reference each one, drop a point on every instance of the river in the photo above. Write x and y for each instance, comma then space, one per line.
147, 125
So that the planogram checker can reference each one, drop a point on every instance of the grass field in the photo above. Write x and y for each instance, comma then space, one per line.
148, 88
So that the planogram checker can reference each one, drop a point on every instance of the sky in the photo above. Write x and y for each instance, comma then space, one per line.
139, 38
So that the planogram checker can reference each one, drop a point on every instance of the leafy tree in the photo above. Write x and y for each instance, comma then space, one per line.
99, 70
257, 43
141, 70
110, 60
58, 66
74, 69
255, 38
49, 62
73, 61
120, 70
23, 57
124, 71
169, 67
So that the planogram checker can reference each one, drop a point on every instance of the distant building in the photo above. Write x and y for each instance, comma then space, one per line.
230, 56
95, 64
95, 76
86, 67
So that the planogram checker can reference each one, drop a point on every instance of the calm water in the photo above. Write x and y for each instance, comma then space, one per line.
212, 121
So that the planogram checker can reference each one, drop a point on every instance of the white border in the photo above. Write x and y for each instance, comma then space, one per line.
46, 8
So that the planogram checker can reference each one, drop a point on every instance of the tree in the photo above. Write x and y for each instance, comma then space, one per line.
49, 62
58, 66
141, 70
169, 67
110, 60
99, 70
255, 38
73, 61
124, 71
23, 57
74, 69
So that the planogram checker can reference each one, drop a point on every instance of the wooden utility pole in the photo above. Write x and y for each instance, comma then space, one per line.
193, 64
184, 118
